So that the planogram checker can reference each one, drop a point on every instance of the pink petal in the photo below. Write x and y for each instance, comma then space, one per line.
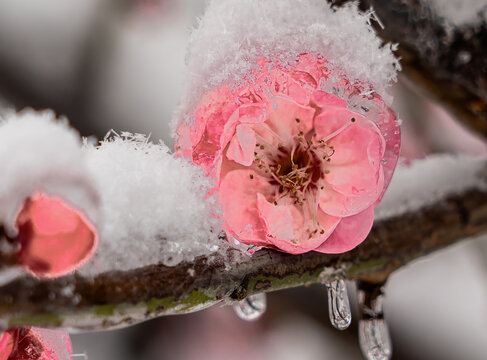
249, 114
6, 345
252, 113
282, 222
337, 204
357, 158
56, 344
314, 67
242, 145
210, 119
349, 233
238, 196
286, 226
355, 179
333, 120
54, 238
323, 99
39, 344
287, 118
390, 130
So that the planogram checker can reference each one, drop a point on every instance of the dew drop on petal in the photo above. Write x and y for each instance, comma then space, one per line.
338, 304
374, 338
251, 308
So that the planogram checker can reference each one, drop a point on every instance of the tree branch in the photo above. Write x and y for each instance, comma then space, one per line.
117, 299
447, 64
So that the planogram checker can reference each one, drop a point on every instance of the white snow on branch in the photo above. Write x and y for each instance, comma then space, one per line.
460, 12
154, 205
39, 153
148, 205
429, 180
233, 34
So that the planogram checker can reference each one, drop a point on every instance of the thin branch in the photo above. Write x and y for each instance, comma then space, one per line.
448, 64
117, 299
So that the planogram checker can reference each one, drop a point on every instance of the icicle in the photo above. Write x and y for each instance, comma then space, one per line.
338, 304
251, 308
374, 338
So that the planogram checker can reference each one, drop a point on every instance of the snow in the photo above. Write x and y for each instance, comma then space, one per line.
426, 181
461, 12
148, 205
233, 34
41, 153
153, 204
152, 207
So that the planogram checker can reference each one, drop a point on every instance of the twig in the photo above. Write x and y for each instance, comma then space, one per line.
117, 299
446, 63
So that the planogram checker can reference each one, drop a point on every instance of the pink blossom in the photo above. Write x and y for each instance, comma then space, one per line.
298, 168
34, 344
54, 237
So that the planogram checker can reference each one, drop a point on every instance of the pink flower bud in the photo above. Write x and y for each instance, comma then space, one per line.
54, 237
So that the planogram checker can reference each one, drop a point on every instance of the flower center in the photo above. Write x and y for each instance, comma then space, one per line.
295, 170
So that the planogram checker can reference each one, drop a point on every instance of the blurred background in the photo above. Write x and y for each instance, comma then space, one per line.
119, 64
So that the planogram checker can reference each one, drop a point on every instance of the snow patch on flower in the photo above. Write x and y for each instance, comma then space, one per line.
429, 180
40, 153
233, 34
154, 205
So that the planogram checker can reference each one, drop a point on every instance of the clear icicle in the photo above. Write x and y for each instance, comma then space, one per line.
251, 308
338, 304
374, 338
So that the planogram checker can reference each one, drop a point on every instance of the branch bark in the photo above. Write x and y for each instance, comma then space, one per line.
447, 64
117, 299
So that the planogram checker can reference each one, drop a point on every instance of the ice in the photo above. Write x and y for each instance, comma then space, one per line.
428, 180
461, 12
338, 304
233, 34
154, 205
251, 308
41, 153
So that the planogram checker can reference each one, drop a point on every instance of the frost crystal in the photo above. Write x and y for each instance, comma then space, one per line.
233, 34
153, 204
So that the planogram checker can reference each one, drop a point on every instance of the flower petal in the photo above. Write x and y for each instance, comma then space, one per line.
287, 118
349, 233
336, 203
353, 168
242, 145
6, 345
354, 178
56, 344
238, 196
322, 99
288, 230
54, 238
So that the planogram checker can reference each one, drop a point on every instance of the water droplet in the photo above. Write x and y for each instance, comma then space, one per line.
251, 308
338, 304
374, 338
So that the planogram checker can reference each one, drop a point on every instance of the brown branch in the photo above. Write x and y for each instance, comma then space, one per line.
123, 298
447, 64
